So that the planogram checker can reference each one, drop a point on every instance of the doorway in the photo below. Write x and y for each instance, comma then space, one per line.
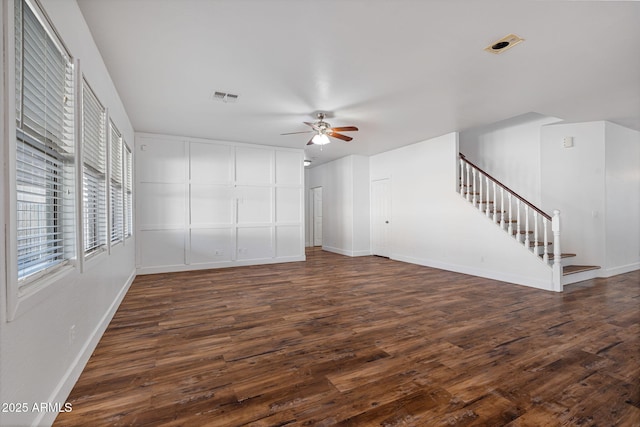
380, 217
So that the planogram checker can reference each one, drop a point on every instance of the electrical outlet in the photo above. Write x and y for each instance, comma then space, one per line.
218, 253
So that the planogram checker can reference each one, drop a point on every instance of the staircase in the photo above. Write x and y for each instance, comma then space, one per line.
528, 225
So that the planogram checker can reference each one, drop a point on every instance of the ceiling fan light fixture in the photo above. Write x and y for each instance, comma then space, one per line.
321, 139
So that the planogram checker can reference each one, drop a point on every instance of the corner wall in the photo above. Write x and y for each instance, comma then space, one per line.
345, 204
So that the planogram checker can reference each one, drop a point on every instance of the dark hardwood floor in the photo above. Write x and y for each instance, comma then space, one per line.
363, 342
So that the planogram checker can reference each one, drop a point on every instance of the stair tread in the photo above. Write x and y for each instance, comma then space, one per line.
573, 269
551, 256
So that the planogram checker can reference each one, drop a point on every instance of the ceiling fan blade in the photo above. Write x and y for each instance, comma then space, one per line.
339, 136
293, 133
344, 129
313, 125
310, 141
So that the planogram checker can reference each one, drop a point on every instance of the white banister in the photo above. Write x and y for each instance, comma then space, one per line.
535, 232
518, 235
557, 252
545, 254
473, 188
468, 193
488, 198
495, 204
476, 188
526, 226
480, 191
510, 227
502, 208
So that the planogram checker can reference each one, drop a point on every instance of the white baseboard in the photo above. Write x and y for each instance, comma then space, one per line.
346, 252
70, 377
614, 271
214, 265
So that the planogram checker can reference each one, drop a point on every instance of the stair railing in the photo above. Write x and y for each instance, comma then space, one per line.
529, 225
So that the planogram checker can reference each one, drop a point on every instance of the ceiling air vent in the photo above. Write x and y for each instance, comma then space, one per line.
224, 97
505, 43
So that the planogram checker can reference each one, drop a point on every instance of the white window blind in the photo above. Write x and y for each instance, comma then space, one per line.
117, 212
45, 218
128, 200
93, 171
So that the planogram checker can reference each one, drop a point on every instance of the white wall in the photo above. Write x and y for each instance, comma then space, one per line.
622, 200
432, 225
40, 358
207, 204
509, 151
596, 186
573, 181
345, 204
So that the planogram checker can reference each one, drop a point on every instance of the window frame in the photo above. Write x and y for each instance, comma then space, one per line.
19, 292
86, 169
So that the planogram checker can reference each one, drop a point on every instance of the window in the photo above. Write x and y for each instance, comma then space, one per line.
128, 200
93, 172
45, 208
117, 213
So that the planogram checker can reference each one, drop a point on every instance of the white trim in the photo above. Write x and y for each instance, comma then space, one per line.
215, 265
68, 380
346, 252
614, 271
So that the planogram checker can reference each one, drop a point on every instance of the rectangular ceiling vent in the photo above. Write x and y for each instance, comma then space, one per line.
224, 97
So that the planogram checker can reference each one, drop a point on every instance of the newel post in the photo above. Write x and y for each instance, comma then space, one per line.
557, 252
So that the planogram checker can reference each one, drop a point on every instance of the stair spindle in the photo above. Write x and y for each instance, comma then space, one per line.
502, 208
510, 227
480, 184
474, 199
488, 198
461, 177
535, 232
545, 253
495, 204
468, 180
526, 226
518, 235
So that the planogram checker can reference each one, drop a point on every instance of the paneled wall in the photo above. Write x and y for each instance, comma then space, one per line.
207, 204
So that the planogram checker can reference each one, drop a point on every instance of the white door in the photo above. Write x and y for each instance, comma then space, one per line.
380, 217
317, 216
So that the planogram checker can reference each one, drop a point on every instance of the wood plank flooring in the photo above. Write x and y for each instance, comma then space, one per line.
363, 342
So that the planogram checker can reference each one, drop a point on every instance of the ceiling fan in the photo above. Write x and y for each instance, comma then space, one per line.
323, 131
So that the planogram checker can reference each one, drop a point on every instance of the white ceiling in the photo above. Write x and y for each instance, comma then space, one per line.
402, 71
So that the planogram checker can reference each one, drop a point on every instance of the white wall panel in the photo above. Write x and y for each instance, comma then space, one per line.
255, 204
161, 205
211, 163
211, 204
161, 160
219, 204
162, 247
288, 204
254, 165
288, 170
255, 243
288, 240
211, 245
